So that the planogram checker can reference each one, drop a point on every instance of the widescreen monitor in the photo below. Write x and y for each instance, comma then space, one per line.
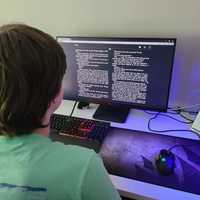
118, 73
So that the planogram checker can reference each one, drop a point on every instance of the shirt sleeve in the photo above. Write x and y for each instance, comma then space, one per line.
97, 184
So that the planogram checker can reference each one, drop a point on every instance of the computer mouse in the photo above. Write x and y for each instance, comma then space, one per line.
165, 162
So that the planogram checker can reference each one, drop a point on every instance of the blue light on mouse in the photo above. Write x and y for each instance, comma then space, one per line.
163, 159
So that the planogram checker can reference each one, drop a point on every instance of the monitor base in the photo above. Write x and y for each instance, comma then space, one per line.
111, 113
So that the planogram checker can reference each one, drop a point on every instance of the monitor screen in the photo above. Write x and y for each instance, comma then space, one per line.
133, 72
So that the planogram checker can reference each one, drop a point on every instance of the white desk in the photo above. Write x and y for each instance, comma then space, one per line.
138, 120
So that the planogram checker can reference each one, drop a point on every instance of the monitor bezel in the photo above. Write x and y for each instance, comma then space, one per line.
127, 105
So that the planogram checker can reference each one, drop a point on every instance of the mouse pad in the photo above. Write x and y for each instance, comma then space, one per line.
132, 154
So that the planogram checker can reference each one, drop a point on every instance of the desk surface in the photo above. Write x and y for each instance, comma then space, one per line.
138, 120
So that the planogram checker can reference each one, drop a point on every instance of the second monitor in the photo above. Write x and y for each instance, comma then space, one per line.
118, 73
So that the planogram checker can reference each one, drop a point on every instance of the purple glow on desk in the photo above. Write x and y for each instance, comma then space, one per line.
132, 155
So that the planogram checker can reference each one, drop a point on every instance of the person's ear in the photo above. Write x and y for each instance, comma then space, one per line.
56, 101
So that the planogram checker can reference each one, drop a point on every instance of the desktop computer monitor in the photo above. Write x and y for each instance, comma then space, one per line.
118, 73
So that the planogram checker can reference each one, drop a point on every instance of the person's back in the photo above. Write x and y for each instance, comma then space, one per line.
41, 169
33, 167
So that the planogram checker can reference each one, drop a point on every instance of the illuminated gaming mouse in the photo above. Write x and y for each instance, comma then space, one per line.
165, 163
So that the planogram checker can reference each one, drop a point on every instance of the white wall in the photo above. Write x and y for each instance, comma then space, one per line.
124, 18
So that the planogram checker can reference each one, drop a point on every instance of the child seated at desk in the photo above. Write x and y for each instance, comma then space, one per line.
32, 66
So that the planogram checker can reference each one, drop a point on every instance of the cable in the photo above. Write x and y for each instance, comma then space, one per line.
183, 107
180, 111
180, 145
73, 108
191, 121
165, 115
178, 120
168, 130
152, 113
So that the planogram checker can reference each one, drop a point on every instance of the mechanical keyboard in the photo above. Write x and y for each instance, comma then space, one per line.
79, 128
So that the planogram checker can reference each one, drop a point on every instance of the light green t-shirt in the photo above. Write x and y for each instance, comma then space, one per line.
32, 167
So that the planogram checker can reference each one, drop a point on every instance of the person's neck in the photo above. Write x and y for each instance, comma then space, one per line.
44, 131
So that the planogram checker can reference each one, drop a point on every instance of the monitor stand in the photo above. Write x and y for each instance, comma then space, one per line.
112, 113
